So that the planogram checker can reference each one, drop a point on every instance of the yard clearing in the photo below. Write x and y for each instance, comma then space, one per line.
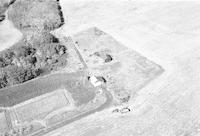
126, 71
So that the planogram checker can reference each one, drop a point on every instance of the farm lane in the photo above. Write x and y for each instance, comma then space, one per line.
66, 122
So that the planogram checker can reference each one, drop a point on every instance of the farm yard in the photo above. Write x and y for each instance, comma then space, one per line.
126, 71
93, 41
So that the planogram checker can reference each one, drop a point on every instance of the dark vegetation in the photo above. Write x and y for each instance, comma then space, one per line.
105, 56
36, 14
39, 52
2, 17
102, 79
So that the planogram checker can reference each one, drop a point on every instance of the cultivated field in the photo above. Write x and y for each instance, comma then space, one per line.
43, 105
3, 122
64, 117
50, 101
76, 84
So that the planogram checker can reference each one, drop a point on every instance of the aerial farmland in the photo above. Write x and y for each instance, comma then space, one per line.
99, 68
51, 80
63, 97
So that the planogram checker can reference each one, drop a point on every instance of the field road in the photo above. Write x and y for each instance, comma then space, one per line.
60, 125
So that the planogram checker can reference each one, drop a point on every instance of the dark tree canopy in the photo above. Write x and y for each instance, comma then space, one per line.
25, 62
39, 51
24, 51
16, 75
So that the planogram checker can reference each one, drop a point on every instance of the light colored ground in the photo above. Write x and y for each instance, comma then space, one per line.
42, 105
3, 123
9, 35
168, 34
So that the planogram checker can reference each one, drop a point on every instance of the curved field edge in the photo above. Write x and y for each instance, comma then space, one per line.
74, 82
86, 100
106, 104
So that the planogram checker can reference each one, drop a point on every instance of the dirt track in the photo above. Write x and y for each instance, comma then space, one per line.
66, 122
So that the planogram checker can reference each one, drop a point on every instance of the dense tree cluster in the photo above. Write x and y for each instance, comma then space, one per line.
25, 61
39, 51
14, 75
36, 14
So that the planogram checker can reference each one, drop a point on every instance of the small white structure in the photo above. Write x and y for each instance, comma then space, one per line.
95, 82
100, 91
